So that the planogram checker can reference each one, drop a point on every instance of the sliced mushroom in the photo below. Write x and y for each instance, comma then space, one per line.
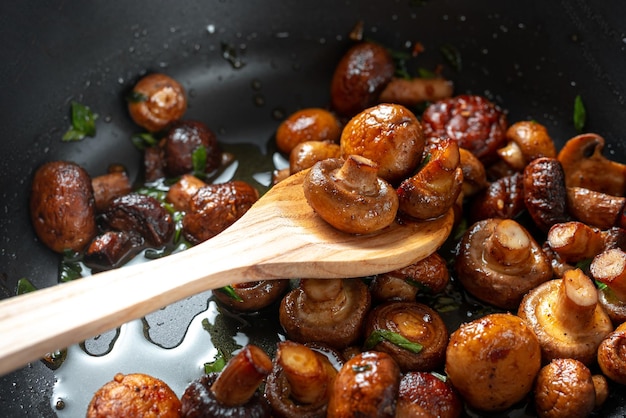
527, 140
585, 166
350, 196
109, 186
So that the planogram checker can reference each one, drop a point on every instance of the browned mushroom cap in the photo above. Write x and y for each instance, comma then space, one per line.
545, 195
310, 124
503, 198
435, 188
252, 296
566, 317
388, 134
586, 167
499, 261
62, 206
416, 323
366, 386
474, 174
564, 388
360, 76
527, 140
612, 355
181, 192
493, 361
597, 209
156, 101
423, 394
184, 138
134, 395
331, 311
306, 154
609, 268
350, 196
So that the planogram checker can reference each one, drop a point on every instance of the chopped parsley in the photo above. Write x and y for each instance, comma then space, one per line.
580, 114
452, 55
83, 123
380, 335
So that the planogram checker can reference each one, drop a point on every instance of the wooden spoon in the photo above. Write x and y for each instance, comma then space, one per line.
279, 237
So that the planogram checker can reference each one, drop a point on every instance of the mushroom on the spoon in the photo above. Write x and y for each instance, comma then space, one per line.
280, 236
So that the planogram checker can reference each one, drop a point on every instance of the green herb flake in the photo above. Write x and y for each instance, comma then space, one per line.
25, 286
143, 141
83, 123
360, 368
198, 158
230, 292
580, 114
380, 335
452, 55
71, 268
136, 97
440, 376
426, 73
216, 365
600, 285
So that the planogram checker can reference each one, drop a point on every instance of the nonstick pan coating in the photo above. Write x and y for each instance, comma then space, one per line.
532, 57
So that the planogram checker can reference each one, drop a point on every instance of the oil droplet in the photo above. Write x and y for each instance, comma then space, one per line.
278, 114
210, 28
258, 100
256, 84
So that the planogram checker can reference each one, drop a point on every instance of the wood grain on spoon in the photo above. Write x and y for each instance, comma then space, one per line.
279, 237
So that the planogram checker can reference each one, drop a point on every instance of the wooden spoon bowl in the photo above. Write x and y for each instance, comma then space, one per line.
279, 237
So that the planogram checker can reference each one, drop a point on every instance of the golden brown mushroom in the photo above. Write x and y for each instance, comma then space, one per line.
612, 355
310, 124
597, 209
434, 189
566, 317
424, 395
306, 154
350, 196
564, 389
388, 134
107, 187
527, 140
609, 268
493, 361
498, 261
252, 296
503, 198
412, 91
366, 386
156, 101
474, 174
331, 311
575, 241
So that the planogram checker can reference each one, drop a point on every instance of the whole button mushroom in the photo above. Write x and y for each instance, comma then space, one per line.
527, 140
493, 361
156, 101
350, 196
566, 317
422, 394
498, 261
612, 355
62, 206
181, 140
310, 124
388, 134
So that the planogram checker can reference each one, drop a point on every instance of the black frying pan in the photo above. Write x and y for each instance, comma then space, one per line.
531, 57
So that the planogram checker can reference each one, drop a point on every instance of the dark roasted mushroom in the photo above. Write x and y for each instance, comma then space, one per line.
366, 386
62, 206
498, 261
388, 134
156, 101
503, 198
180, 143
413, 91
566, 317
233, 392
350, 196
434, 189
310, 124
252, 296
112, 249
360, 77
109, 186
545, 195
564, 389
415, 323
331, 311
425, 395
134, 395
493, 361
597, 209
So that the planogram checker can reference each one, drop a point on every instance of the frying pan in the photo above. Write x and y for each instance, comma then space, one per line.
532, 57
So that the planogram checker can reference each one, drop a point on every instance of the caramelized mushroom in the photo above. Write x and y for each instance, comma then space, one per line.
331, 311
503, 198
564, 389
414, 322
300, 383
366, 386
545, 195
527, 140
609, 268
425, 395
498, 261
134, 395
62, 206
350, 196
109, 186
388, 134
306, 154
612, 355
566, 317
586, 167
477, 124
310, 124
156, 101
493, 361
182, 140
429, 275
181, 192
474, 174
112, 249
233, 392
360, 77
252, 296
576, 241
595, 208
413, 91
435, 188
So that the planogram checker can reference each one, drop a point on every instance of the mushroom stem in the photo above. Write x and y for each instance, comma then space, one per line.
609, 267
576, 301
242, 376
322, 290
509, 244
575, 241
308, 378
359, 174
